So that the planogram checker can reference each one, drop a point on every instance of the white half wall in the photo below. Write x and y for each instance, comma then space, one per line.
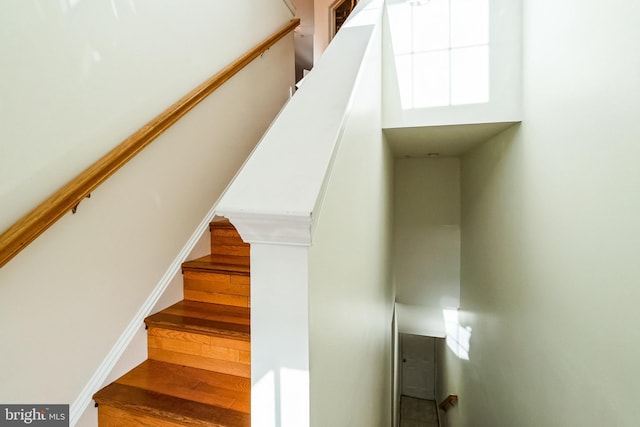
314, 202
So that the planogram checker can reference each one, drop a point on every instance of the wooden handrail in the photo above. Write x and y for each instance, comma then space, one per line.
449, 402
36, 222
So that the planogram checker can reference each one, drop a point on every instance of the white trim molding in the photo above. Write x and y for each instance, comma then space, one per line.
273, 229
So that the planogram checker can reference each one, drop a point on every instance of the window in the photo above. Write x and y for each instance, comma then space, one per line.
441, 50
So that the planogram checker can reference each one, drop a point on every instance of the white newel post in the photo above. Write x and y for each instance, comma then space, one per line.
279, 316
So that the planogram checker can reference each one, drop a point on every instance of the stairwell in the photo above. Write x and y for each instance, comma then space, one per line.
198, 371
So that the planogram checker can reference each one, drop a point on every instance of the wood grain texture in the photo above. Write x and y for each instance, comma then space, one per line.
201, 362
195, 349
220, 223
36, 222
211, 388
230, 322
200, 338
200, 335
215, 298
216, 283
234, 330
218, 279
137, 406
109, 416
225, 247
222, 313
238, 265
225, 240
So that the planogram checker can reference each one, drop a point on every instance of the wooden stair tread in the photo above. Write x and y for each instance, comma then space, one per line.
198, 385
194, 317
178, 411
210, 311
219, 263
221, 223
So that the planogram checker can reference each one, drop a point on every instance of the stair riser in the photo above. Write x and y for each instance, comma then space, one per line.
109, 416
227, 241
219, 288
218, 354
208, 364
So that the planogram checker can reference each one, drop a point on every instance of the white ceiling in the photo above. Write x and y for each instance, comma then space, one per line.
450, 140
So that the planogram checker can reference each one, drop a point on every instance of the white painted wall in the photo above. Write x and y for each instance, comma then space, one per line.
505, 74
322, 27
550, 230
448, 379
427, 232
78, 77
68, 297
350, 292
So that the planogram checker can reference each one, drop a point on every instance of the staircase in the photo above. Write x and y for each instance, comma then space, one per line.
199, 368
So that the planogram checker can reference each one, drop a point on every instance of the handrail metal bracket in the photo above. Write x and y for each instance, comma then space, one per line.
75, 208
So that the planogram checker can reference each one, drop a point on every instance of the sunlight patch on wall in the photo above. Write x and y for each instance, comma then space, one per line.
266, 404
458, 337
441, 50
294, 403
281, 399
